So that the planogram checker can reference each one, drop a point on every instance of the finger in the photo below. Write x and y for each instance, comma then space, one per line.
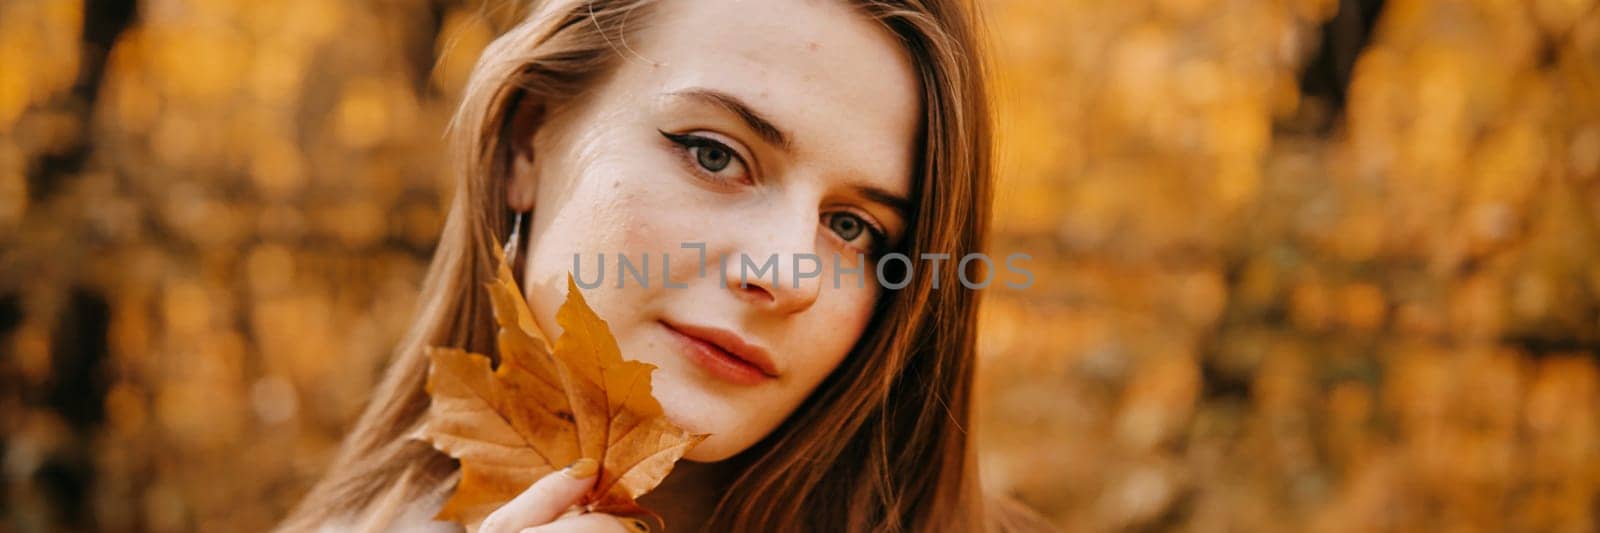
544, 500
592, 523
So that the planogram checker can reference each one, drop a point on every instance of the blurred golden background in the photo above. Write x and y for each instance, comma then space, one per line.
1302, 265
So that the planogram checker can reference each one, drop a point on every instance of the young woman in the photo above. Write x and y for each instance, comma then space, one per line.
708, 132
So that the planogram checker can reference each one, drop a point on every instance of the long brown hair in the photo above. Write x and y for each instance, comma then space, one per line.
884, 442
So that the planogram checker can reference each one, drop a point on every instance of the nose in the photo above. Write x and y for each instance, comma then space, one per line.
777, 267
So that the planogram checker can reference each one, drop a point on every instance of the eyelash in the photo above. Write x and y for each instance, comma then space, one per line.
687, 141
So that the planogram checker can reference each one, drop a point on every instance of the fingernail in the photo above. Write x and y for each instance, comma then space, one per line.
635, 524
584, 468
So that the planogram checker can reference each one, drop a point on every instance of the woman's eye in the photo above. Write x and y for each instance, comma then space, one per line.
710, 156
847, 226
852, 228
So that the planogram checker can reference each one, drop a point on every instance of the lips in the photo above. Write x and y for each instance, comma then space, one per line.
724, 354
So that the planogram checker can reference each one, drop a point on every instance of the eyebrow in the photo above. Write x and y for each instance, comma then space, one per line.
756, 121
883, 196
776, 136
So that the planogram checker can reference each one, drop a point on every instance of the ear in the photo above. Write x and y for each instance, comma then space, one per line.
522, 183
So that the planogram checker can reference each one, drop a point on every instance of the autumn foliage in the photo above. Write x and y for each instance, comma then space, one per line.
541, 409
1302, 265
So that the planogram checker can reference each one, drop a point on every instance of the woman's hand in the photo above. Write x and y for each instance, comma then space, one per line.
544, 507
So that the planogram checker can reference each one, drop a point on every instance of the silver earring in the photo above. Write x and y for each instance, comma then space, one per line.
515, 238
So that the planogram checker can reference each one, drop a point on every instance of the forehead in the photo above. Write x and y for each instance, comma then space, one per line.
839, 83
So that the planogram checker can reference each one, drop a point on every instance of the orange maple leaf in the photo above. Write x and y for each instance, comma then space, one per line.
542, 409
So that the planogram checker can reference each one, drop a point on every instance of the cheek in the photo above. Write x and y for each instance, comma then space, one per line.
638, 206
830, 329
606, 211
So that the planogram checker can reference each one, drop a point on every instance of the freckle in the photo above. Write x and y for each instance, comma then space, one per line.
813, 46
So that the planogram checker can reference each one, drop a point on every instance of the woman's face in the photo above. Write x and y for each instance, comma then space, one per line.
774, 129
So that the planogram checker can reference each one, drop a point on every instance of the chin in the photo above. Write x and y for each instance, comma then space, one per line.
718, 446
694, 410
711, 451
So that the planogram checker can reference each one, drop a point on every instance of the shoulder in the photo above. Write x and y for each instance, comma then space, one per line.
413, 520
396, 513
